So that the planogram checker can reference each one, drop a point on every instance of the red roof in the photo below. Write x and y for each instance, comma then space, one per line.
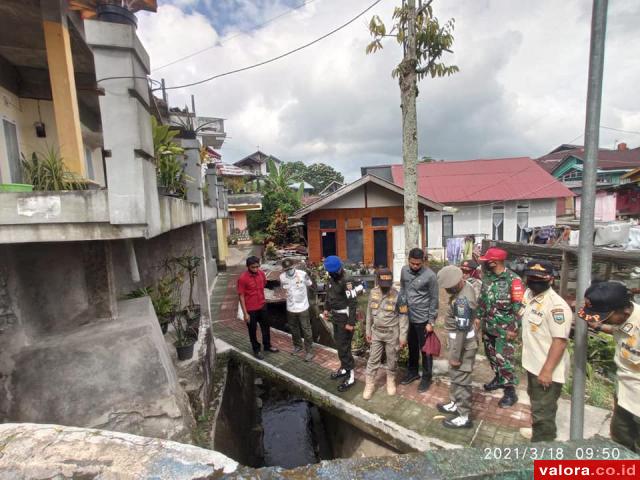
607, 159
484, 180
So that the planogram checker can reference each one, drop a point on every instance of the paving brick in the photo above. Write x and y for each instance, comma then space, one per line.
408, 408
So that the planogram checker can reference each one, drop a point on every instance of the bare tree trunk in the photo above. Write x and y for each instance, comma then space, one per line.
408, 92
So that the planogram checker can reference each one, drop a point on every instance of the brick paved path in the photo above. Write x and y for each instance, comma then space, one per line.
409, 409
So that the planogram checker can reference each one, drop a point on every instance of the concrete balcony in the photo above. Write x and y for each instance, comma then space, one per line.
84, 215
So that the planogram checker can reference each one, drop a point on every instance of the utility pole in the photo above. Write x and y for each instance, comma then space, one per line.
587, 208
408, 79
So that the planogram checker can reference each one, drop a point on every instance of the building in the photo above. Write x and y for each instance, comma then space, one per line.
256, 163
75, 349
566, 164
361, 222
494, 198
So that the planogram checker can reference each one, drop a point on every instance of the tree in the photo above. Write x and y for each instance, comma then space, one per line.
424, 41
320, 175
277, 194
297, 170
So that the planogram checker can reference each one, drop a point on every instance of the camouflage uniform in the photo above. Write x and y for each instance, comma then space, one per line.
499, 302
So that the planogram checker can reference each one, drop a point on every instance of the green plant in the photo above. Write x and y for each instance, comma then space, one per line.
168, 155
190, 264
48, 172
270, 252
258, 238
278, 229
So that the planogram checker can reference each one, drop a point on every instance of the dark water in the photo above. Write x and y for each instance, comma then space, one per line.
288, 437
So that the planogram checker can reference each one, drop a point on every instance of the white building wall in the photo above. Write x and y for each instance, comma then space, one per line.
478, 219
353, 199
378, 196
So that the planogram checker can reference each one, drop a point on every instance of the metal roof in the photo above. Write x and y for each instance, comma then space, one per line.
487, 180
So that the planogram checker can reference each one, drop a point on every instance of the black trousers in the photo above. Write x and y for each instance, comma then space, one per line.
417, 336
343, 339
259, 317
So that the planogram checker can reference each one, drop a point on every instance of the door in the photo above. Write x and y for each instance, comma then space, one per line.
380, 248
328, 244
355, 247
399, 258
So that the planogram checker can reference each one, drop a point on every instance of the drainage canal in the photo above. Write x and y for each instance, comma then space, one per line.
260, 423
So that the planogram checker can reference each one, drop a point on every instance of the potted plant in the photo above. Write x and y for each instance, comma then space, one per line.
169, 165
48, 172
163, 303
192, 312
184, 341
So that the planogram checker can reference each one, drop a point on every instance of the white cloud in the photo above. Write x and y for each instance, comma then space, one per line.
521, 89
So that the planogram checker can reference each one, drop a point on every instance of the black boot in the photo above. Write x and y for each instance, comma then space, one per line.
425, 383
348, 382
492, 385
341, 372
509, 399
409, 377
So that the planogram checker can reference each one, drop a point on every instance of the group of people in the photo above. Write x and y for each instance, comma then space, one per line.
491, 304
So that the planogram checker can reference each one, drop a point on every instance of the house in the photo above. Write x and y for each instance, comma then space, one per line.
240, 200
307, 189
332, 187
76, 348
566, 164
256, 163
362, 222
492, 198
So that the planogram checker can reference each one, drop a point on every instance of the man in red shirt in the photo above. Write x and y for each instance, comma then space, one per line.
254, 308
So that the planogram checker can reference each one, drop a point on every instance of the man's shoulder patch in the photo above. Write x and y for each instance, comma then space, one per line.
627, 327
558, 315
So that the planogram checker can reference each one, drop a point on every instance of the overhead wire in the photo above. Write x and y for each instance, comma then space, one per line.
278, 57
226, 40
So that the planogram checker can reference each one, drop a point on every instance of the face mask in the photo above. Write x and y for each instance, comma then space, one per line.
452, 290
291, 272
336, 275
385, 290
488, 266
538, 286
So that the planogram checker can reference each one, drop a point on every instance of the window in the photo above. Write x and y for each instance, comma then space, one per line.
327, 224
379, 222
447, 228
522, 223
13, 152
498, 226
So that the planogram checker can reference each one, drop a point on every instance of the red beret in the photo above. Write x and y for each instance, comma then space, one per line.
493, 254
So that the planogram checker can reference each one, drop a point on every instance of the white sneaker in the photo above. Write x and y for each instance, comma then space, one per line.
461, 421
450, 407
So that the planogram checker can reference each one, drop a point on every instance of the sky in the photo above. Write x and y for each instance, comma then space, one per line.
521, 89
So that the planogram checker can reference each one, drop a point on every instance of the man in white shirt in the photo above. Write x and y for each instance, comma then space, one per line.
295, 283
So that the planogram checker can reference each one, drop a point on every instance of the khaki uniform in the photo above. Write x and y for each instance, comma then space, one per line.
386, 327
476, 283
544, 317
463, 346
625, 424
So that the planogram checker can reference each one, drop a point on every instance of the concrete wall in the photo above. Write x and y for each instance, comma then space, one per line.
477, 218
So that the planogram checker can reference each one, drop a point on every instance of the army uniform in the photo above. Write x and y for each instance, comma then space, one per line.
463, 345
625, 423
544, 316
386, 326
499, 302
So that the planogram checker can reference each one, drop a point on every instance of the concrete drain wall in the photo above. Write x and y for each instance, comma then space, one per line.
261, 422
